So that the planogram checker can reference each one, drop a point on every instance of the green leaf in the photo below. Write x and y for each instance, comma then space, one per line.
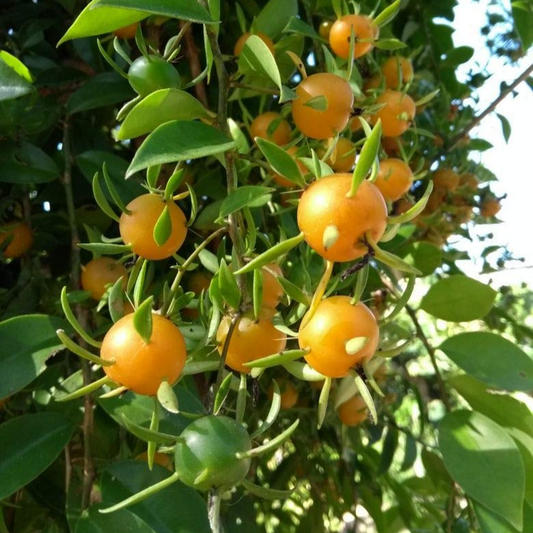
101, 199
491, 359
390, 444
102, 90
490, 522
266, 493
163, 227
115, 301
294, 292
505, 410
318, 103
424, 256
183, 10
167, 397
112, 191
12, 84
148, 435
256, 58
506, 127
272, 254
309, 162
139, 409
275, 15
228, 286
458, 299
92, 521
257, 292
23, 163
179, 140
389, 44
480, 145
473, 447
95, 20
102, 248
387, 14
281, 162
159, 108
523, 22
366, 158
457, 56
23, 357
222, 393
175, 509
173, 183
142, 319
246, 196
28, 445
102, 16
18, 66
410, 453
297, 25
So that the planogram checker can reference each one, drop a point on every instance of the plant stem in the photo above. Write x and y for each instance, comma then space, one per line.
81, 315
235, 221
431, 352
220, 374
213, 509
191, 51
508, 90
181, 270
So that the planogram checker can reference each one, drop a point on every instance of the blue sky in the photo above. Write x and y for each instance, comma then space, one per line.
512, 163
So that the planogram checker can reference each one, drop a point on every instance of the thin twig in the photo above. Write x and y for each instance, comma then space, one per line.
191, 51
81, 315
431, 352
508, 90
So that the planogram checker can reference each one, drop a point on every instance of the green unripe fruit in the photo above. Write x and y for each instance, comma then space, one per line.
150, 74
206, 455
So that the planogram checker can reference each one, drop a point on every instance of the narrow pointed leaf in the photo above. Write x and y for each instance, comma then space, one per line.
276, 359
142, 319
148, 435
82, 352
281, 162
65, 305
101, 199
266, 493
272, 444
273, 412
222, 393
167, 397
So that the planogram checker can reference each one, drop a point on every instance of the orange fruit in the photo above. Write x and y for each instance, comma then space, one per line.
99, 274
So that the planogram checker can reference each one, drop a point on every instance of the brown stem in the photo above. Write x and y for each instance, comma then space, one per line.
81, 315
431, 352
193, 57
235, 222
508, 90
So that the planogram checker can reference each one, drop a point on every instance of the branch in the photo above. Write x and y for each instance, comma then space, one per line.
431, 351
509, 89
81, 315
191, 51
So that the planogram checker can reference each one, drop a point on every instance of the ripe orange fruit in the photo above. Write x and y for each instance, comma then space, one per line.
391, 145
97, 275
259, 128
140, 366
239, 45
353, 412
391, 69
397, 114
325, 204
324, 29
284, 182
470, 182
374, 82
327, 336
21, 242
402, 206
322, 124
434, 201
137, 228
198, 282
339, 36
340, 160
252, 339
161, 459
289, 394
394, 178
272, 289
490, 207
127, 32
446, 179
